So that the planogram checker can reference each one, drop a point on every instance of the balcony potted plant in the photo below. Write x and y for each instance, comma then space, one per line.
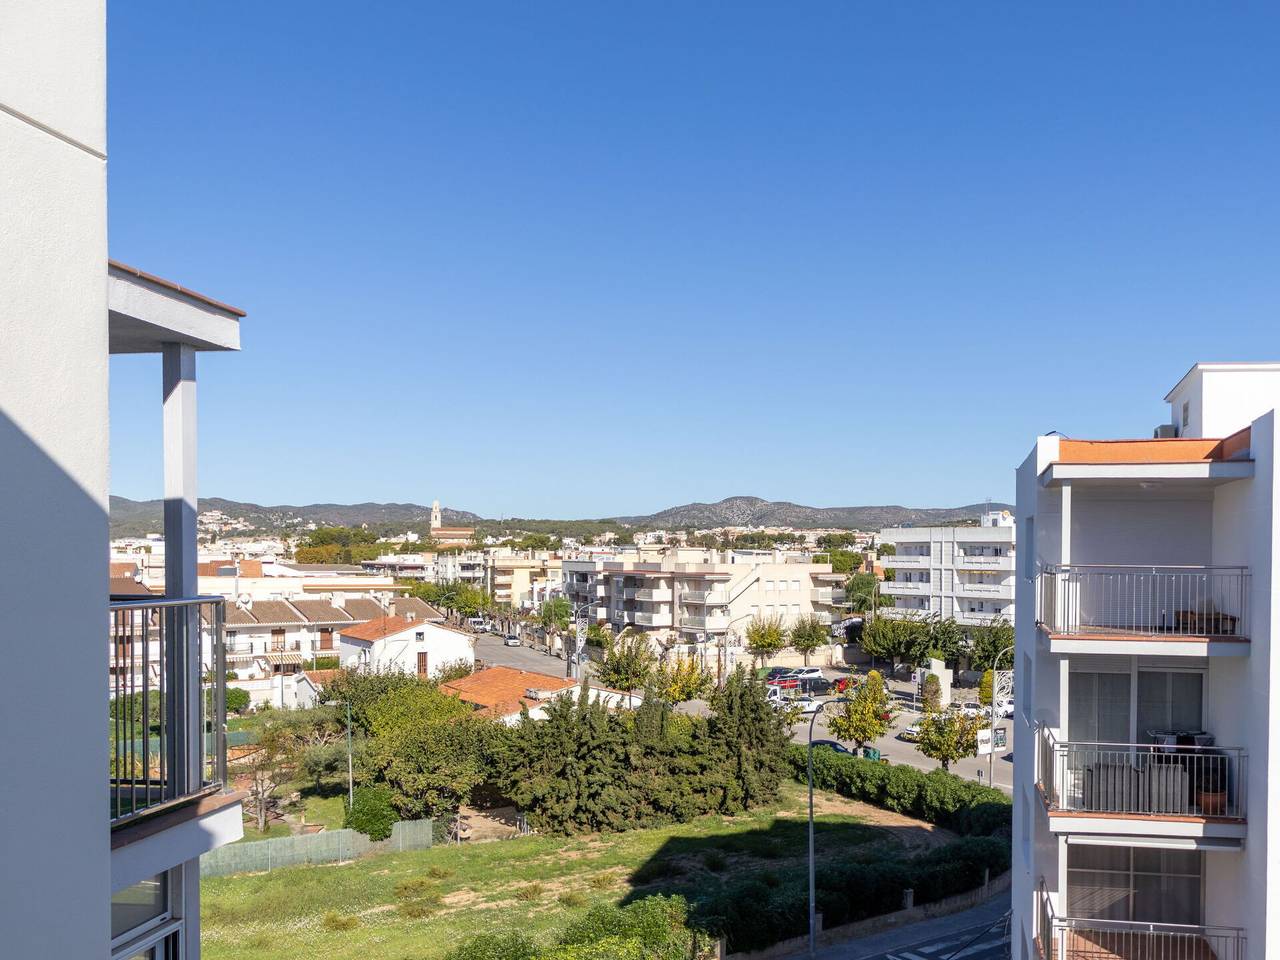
1211, 790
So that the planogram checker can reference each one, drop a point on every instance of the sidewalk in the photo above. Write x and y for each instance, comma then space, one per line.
915, 934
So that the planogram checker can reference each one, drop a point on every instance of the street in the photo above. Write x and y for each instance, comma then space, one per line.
491, 650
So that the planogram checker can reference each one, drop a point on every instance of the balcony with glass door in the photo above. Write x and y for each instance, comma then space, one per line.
1144, 768
1132, 903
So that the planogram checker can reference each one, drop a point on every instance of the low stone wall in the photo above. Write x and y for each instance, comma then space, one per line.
327, 846
886, 921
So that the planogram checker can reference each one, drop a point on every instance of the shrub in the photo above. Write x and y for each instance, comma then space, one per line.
439, 873
938, 797
415, 909
657, 922
572, 898
529, 893
339, 921
601, 881
237, 700
415, 888
512, 945
372, 813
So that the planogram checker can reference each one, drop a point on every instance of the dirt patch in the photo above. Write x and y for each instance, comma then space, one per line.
913, 833
496, 823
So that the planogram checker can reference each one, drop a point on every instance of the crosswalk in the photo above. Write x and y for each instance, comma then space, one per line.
975, 943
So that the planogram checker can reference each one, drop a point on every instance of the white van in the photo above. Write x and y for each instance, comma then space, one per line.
478, 624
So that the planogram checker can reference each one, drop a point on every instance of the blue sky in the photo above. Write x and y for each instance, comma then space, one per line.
588, 259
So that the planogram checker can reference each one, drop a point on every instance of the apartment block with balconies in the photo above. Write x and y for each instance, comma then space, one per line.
1144, 683
960, 572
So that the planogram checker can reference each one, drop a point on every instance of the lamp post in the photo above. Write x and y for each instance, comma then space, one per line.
724, 642
573, 665
351, 784
991, 757
813, 908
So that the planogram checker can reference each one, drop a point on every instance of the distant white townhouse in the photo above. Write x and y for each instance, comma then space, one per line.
396, 643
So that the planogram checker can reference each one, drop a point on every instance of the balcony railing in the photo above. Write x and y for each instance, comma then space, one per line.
166, 708
1143, 780
1079, 938
827, 595
1098, 599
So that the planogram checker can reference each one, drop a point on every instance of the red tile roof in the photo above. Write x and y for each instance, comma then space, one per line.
377, 629
501, 690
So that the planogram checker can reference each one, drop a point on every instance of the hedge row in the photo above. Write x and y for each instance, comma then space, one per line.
754, 915
936, 797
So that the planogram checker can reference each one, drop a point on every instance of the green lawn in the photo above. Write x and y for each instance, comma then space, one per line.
417, 906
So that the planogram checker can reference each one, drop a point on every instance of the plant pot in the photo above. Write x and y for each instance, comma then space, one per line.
1212, 804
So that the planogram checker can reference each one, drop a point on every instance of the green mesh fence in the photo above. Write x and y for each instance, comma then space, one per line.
327, 846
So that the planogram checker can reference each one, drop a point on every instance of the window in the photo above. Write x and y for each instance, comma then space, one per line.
419, 636
795, 584
755, 610
1168, 701
795, 609
1029, 549
1186, 414
1134, 883
768, 585
140, 906
1025, 683
422, 664
1098, 707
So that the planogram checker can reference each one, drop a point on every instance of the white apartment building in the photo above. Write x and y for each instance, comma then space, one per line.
692, 600
1145, 592
960, 572
101, 845
465, 566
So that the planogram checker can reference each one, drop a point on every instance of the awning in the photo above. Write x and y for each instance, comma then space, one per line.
1209, 844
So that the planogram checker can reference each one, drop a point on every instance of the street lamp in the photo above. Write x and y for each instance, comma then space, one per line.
573, 666
991, 757
351, 784
724, 642
813, 908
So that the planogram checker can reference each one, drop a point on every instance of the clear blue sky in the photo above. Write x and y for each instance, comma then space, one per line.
578, 260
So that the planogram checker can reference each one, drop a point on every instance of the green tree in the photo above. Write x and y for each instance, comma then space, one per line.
765, 637
861, 590
896, 640
751, 742
684, 680
949, 736
947, 637
845, 561
868, 715
427, 748
988, 641
362, 689
629, 662
807, 635
985, 688
554, 615
931, 693
837, 541
887, 549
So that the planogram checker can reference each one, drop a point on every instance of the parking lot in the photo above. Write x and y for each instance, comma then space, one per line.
897, 750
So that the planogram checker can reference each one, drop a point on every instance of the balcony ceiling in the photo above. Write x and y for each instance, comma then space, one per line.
145, 312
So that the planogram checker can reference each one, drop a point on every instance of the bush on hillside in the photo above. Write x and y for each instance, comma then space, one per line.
371, 813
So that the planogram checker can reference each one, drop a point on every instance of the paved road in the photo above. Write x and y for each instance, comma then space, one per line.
975, 934
491, 650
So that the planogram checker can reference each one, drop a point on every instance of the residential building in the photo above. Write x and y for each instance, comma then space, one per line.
464, 566
960, 572
699, 602
504, 692
406, 645
100, 844
1145, 605
522, 581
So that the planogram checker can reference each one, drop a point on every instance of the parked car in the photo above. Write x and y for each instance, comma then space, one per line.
834, 745
911, 733
511, 640
970, 708
807, 673
777, 672
807, 704
1004, 708
478, 624
784, 682
818, 685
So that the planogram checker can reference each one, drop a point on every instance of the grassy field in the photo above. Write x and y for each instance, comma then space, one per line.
417, 906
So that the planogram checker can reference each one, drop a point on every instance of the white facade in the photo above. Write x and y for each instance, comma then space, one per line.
420, 648
1144, 682
691, 599
960, 572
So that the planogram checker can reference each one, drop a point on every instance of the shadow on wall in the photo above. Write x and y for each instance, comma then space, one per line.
53, 618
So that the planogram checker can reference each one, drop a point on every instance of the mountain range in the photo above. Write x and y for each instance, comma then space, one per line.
140, 517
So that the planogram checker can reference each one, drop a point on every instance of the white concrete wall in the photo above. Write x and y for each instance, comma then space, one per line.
54, 888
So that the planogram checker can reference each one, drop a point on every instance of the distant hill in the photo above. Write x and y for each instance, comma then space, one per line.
754, 512
132, 518
140, 517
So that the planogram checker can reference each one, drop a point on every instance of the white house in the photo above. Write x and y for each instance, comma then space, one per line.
409, 646
1146, 588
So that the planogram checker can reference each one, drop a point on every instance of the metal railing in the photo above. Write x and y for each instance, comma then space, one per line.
166, 707
1145, 600
1079, 938
1143, 779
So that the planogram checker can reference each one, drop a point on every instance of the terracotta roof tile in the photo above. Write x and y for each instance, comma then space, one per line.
274, 611
320, 611
363, 608
377, 629
421, 610
498, 687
